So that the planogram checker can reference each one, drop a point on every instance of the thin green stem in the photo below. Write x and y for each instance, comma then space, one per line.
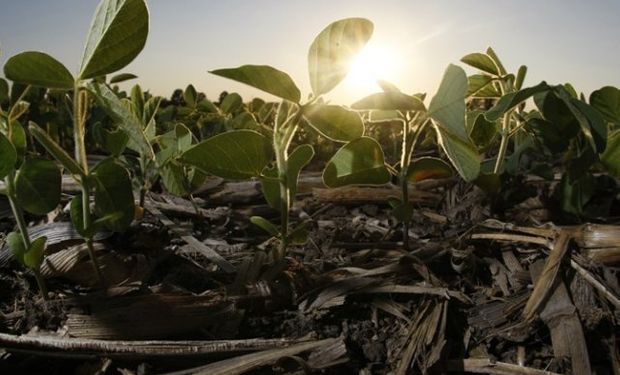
503, 146
404, 169
79, 124
18, 214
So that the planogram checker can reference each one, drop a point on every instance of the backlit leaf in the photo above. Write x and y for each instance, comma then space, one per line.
331, 52
428, 168
239, 154
38, 69
113, 195
265, 78
447, 107
117, 35
358, 162
481, 61
335, 122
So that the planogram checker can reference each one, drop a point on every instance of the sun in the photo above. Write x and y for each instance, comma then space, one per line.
373, 63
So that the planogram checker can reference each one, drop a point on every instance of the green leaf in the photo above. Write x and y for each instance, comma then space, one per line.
265, 78
480, 86
265, 225
113, 141
520, 77
137, 98
428, 168
574, 195
38, 186
335, 122
591, 121
113, 194
500, 67
190, 95
34, 256
390, 100
299, 158
231, 103
332, 51
125, 118
180, 180
482, 132
16, 244
462, 154
481, 61
117, 35
513, 99
4, 90
358, 162
148, 115
122, 78
38, 69
55, 150
19, 138
8, 156
239, 154
607, 101
447, 107
611, 157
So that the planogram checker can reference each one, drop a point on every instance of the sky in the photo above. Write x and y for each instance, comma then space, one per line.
559, 40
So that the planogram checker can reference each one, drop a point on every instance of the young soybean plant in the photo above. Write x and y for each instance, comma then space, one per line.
243, 154
31, 184
108, 49
446, 113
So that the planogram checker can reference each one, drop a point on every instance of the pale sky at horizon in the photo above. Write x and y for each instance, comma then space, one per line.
560, 41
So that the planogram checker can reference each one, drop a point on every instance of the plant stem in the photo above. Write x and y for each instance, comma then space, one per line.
18, 213
79, 119
503, 146
404, 169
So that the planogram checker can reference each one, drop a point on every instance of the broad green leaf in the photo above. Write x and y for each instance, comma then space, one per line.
206, 106
244, 120
113, 141
481, 131
8, 156
335, 122
148, 115
55, 150
137, 98
299, 158
480, 86
17, 246
117, 35
231, 103
265, 78
38, 186
113, 194
122, 78
180, 180
358, 162
591, 121
447, 107
428, 168
190, 95
265, 225
462, 154
4, 90
34, 256
513, 99
481, 61
173, 143
389, 100
239, 154
124, 117
611, 157
332, 51
574, 195
38, 69
19, 138
607, 101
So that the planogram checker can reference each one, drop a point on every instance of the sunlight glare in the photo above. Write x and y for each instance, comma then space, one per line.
374, 63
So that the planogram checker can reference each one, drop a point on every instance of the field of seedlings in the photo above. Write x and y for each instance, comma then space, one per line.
475, 229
